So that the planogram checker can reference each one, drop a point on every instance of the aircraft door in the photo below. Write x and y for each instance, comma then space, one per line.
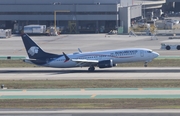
142, 53
47, 62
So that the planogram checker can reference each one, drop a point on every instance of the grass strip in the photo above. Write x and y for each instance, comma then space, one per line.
60, 84
92, 103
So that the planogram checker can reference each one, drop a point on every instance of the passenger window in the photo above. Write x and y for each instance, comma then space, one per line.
149, 51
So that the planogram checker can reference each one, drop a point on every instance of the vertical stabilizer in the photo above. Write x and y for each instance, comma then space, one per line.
32, 49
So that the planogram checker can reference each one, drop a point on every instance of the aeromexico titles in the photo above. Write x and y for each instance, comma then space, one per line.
101, 59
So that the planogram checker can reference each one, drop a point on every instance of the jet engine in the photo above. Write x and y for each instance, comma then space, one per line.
106, 64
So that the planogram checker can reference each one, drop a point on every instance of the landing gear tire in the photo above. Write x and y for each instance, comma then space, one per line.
91, 69
145, 64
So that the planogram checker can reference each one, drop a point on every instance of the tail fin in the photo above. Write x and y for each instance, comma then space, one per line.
33, 50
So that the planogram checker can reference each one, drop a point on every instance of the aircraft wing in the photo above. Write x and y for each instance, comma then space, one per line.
85, 62
81, 62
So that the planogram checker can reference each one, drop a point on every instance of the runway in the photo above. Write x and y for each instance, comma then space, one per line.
83, 74
94, 112
90, 93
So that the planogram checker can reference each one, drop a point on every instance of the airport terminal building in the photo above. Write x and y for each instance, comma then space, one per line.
71, 16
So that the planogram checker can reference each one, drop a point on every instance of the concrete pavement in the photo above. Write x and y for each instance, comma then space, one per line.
89, 93
82, 73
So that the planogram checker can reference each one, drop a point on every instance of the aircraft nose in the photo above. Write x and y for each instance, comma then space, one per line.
155, 54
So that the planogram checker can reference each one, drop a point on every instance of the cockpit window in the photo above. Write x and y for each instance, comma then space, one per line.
149, 51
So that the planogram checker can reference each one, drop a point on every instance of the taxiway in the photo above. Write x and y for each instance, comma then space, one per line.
90, 93
95, 112
86, 42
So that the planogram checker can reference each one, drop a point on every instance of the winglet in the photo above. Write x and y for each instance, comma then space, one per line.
79, 50
67, 58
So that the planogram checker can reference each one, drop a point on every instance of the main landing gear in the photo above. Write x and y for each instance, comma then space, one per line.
91, 68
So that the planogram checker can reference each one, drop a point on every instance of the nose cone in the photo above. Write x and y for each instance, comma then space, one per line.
155, 54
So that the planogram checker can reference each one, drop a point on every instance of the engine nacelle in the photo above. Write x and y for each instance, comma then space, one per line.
105, 64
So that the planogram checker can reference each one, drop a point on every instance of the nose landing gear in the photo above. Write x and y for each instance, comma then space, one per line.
145, 64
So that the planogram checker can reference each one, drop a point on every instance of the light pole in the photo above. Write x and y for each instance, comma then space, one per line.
143, 9
144, 12
55, 16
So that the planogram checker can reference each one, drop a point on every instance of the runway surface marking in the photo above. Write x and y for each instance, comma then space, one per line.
88, 93
94, 95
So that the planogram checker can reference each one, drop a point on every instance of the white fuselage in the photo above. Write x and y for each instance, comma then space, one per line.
117, 56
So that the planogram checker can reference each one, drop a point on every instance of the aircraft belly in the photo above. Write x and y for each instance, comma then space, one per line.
68, 64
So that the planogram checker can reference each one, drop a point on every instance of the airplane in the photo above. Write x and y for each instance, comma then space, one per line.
101, 59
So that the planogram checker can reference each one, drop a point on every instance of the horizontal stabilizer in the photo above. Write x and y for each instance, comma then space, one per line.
35, 61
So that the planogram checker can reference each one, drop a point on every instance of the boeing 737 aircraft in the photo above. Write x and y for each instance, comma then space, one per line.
101, 59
